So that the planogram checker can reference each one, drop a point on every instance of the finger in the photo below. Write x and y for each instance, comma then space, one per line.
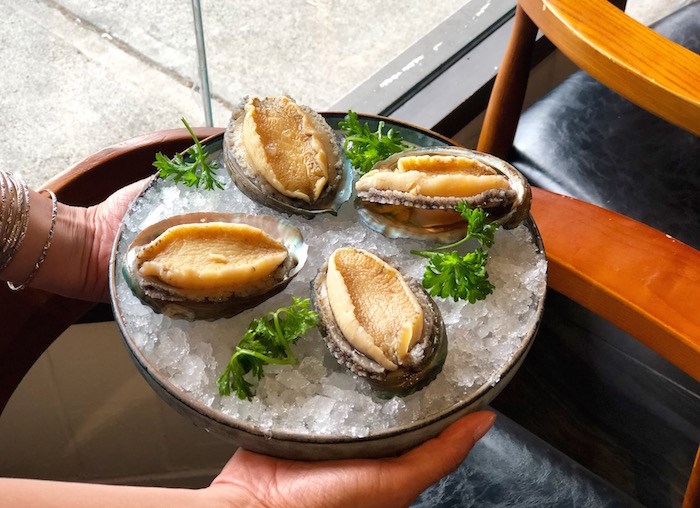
439, 456
125, 195
244, 459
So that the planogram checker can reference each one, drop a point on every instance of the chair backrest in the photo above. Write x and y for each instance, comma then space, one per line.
33, 319
629, 58
627, 285
671, 89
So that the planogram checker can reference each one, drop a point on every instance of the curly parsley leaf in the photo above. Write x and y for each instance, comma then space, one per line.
364, 147
477, 225
461, 277
268, 340
194, 170
449, 275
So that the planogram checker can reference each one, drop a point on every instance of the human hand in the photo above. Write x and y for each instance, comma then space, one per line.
250, 479
106, 217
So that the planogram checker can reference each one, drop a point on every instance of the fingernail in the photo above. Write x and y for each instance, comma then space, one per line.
484, 426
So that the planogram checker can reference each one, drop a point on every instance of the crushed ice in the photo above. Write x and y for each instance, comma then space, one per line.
319, 397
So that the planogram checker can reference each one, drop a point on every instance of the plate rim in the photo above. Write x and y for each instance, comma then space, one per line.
145, 366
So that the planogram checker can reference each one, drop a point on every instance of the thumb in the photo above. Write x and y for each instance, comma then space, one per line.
440, 456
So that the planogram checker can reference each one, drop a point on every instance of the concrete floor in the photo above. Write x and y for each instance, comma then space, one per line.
79, 75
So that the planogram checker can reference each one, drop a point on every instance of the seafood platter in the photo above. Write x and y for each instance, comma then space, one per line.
338, 286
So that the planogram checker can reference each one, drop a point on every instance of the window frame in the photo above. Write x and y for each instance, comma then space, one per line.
442, 70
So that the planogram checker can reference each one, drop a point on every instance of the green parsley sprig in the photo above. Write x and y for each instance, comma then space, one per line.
268, 340
193, 171
363, 147
456, 276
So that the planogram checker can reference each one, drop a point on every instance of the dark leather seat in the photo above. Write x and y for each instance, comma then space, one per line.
626, 420
587, 388
585, 141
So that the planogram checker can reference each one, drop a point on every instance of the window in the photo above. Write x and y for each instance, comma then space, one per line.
81, 75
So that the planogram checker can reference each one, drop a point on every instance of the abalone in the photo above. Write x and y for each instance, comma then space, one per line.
413, 193
213, 265
286, 156
379, 324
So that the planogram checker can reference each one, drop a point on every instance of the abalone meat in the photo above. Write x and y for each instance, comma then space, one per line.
379, 324
286, 156
213, 265
413, 193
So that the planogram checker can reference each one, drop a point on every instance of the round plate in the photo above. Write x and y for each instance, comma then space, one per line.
139, 326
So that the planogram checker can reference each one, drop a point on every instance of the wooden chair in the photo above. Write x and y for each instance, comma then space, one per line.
638, 278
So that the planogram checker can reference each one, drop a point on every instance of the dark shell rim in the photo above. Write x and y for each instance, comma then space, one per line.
510, 220
209, 310
178, 396
433, 361
334, 195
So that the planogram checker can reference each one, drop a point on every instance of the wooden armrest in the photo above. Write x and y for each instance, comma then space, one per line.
636, 277
33, 319
646, 68
93, 179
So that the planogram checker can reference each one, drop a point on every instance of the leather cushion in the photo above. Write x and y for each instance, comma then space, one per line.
588, 142
511, 467
593, 392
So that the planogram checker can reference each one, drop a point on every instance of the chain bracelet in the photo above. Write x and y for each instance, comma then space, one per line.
45, 250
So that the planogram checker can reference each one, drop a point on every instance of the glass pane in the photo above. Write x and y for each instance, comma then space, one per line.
315, 50
81, 75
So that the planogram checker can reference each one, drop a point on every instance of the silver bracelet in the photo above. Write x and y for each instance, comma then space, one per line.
10, 213
15, 216
45, 250
3, 209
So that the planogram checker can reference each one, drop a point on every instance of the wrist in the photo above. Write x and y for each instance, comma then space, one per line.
45, 248
65, 269
64, 262
38, 224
